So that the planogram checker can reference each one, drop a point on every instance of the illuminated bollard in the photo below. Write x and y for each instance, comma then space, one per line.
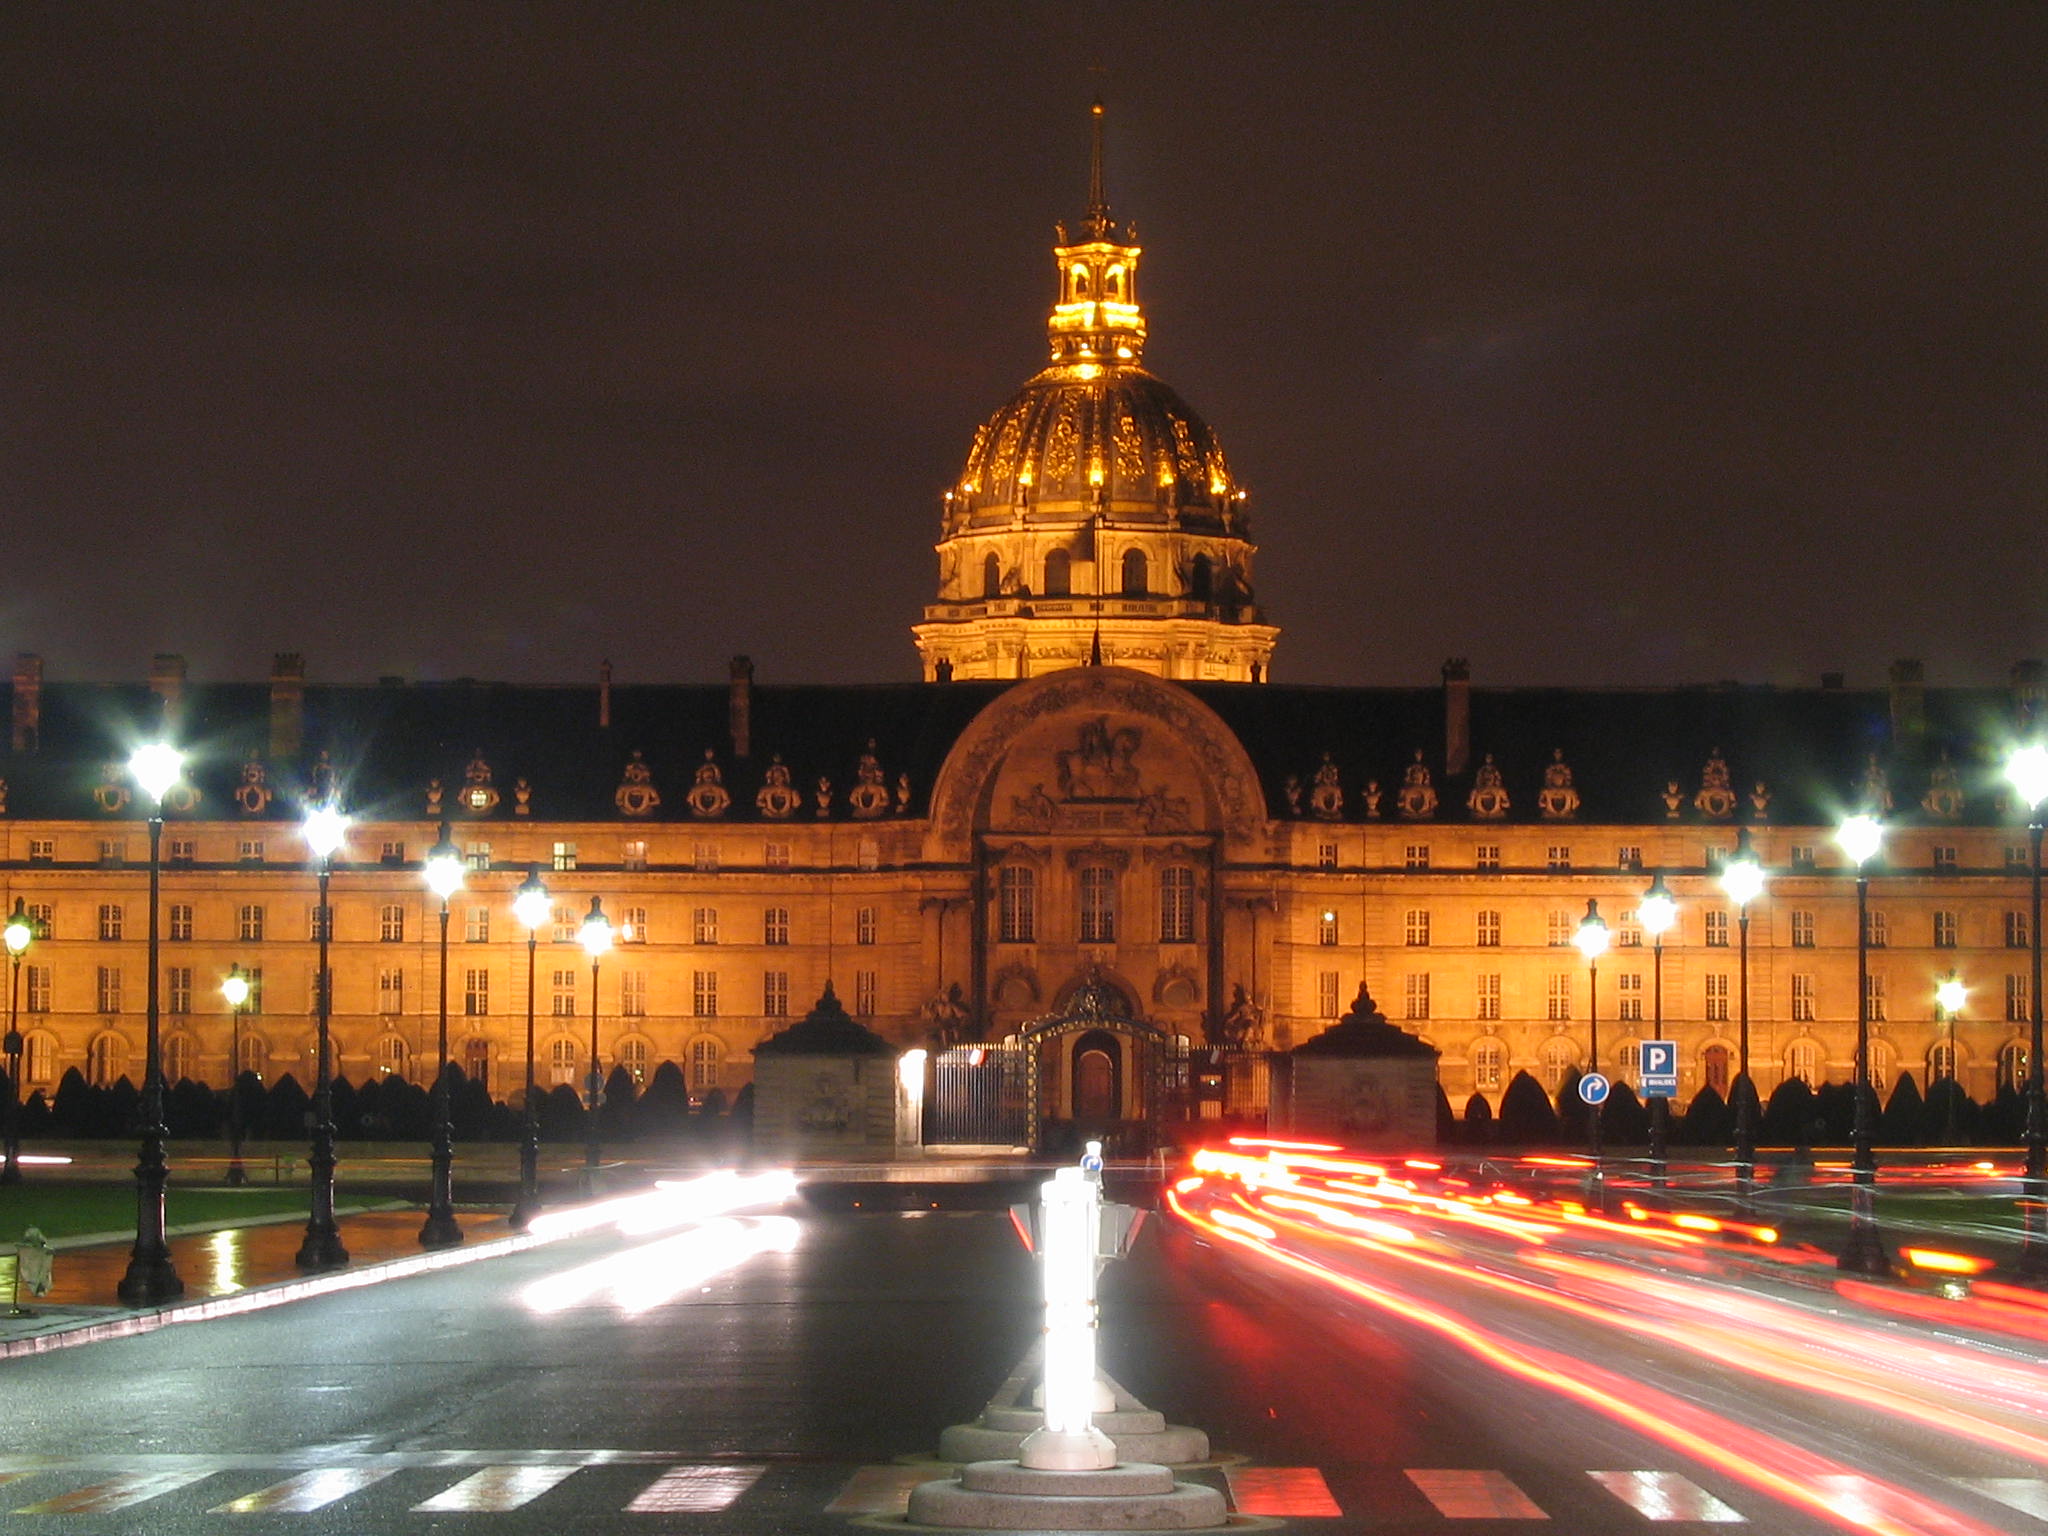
1069, 1440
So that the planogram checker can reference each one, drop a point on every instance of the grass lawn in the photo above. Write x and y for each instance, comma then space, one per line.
70, 1210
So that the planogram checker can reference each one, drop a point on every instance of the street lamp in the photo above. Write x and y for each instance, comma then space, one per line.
1950, 995
19, 933
325, 830
2027, 768
1860, 837
1591, 939
1742, 877
531, 905
235, 988
444, 876
151, 1276
596, 937
1657, 912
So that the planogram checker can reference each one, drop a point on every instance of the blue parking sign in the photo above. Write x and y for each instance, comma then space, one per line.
1659, 1063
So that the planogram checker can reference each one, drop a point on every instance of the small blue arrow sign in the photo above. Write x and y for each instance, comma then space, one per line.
1594, 1088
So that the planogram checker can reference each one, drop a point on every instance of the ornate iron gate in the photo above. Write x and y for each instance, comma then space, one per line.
977, 1097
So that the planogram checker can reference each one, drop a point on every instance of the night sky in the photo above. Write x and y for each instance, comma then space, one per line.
1597, 344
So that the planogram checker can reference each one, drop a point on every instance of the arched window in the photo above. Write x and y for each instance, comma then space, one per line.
1714, 1068
1059, 578
178, 1056
562, 1062
991, 576
1558, 1057
392, 1056
1177, 905
705, 1054
633, 1056
1488, 1057
1017, 904
1628, 1063
1201, 579
2012, 1065
1880, 1067
1098, 905
255, 1053
1134, 573
1080, 282
476, 1062
1941, 1061
106, 1059
1803, 1062
1113, 284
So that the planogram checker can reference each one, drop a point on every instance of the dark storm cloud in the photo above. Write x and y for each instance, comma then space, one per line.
1595, 343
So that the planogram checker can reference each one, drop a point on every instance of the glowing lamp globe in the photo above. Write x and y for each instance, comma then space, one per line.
530, 902
156, 768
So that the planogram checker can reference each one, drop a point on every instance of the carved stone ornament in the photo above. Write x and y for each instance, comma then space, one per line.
253, 795
1034, 810
1159, 811
1558, 799
1417, 798
902, 794
479, 796
776, 799
822, 797
1873, 793
946, 1016
3, 797
869, 796
111, 794
433, 799
1103, 765
636, 794
522, 797
1326, 799
182, 798
1944, 797
1760, 801
1673, 799
1242, 1025
708, 797
1177, 986
1716, 800
320, 780
1015, 986
1489, 798
1373, 795
1291, 788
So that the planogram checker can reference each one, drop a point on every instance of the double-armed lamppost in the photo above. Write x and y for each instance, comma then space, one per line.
235, 988
2027, 768
19, 933
1657, 912
1950, 995
444, 876
1861, 836
1591, 939
1742, 877
596, 937
532, 906
325, 831
151, 1276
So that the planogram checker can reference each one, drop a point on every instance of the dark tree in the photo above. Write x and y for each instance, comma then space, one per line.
561, 1114
664, 1109
1446, 1122
76, 1111
287, 1112
1526, 1117
1624, 1122
1788, 1117
1950, 1116
615, 1116
1478, 1127
1905, 1114
1706, 1122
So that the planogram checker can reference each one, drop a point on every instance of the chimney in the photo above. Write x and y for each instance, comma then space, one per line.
28, 701
604, 695
1457, 716
1909, 702
2026, 693
287, 705
739, 706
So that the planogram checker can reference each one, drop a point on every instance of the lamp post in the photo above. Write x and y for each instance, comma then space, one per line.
19, 933
1860, 837
1657, 912
2027, 768
531, 905
235, 988
325, 830
444, 876
1743, 879
1951, 994
1591, 940
596, 937
151, 1276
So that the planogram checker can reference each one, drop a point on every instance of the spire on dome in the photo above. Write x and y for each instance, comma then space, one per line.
1097, 321
1098, 203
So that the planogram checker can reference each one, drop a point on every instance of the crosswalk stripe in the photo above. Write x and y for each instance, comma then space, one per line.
880, 1490
493, 1490
1280, 1491
1666, 1496
695, 1490
1462, 1494
115, 1493
2028, 1495
307, 1491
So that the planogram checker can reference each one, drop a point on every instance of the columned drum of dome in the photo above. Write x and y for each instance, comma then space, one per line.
1096, 518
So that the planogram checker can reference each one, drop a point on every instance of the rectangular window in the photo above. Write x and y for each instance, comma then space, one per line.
1802, 999
704, 994
1628, 991
704, 857
42, 850
2015, 930
1415, 995
864, 993
476, 925
775, 926
775, 993
1488, 1058
1486, 856
1873, 998
1017, 903
1802, 856
868, 855
1486, 930
183, 850
1879, 932
255, 975
2016, 856
1486, 996
562, 993
633, 925
565, 922
1945, 926
1717, 998
1558, 928
1326, 994
1717, 930
478, 854
565, 856
178, 988
1415, 928
1326, 930
633, 994
391, 923
392, 853
1559, 858
1415, 856
1628, 932
633, 854
109, 993
776, 856
249, 923
476, 992
1945, 857
864, 926
111, 921
390, 989
1098, 905
179, 927
1802, 930
249, 850
1177, 905
2016, 1011
45, 919
38, 977
1629, 856
704, 925
1326, 855
1558, 997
